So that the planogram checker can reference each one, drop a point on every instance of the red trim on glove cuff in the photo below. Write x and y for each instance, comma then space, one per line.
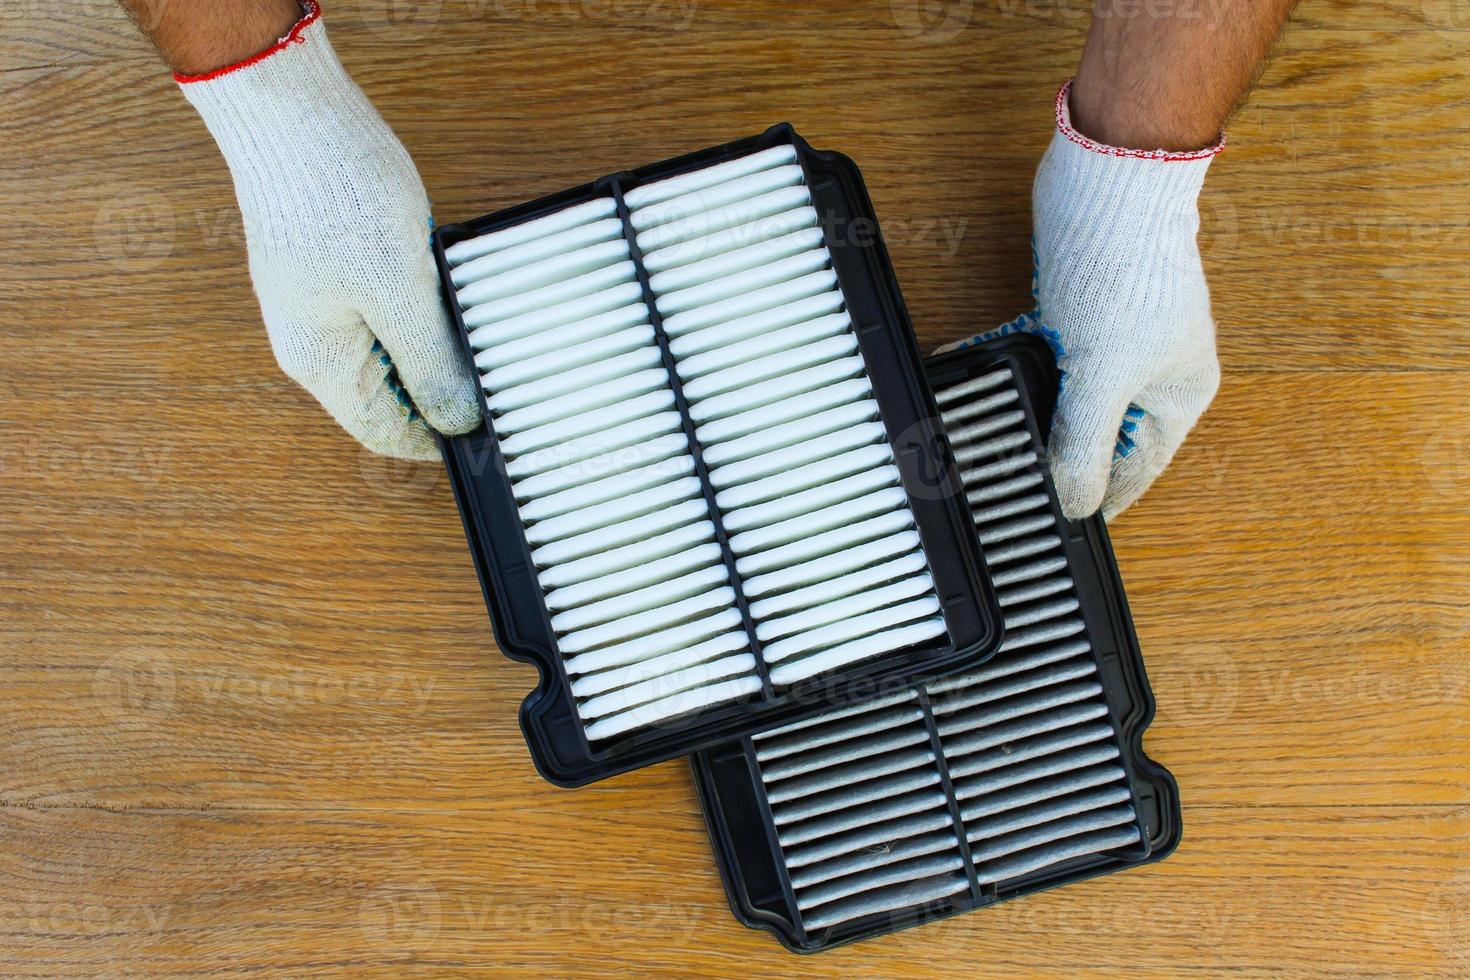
1064, 126
312, 13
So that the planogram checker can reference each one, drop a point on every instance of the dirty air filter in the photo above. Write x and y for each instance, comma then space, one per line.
711, 495
1020, 775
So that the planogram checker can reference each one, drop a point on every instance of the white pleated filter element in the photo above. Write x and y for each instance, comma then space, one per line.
805, 480
862, 816
620, 531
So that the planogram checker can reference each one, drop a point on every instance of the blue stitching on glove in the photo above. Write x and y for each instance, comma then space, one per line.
390, 378
1132, 416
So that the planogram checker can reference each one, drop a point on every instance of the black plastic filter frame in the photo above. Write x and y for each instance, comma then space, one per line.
728, 778
880, 321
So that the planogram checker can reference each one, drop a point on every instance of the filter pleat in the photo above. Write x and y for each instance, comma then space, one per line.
642, 693
875, 836
824, 761
831, 566
754, 326
675, 706
763, 346
999, 734
561, 243
809, 739
848, 797
838, 587
1052, 677
751, 303
1038, 814
976, 809
876, 878
641, 600
1029, 571
876, 902
969, 391
1035, 589
1053, 765
508, 398
1040, 835
863, 769
693, 655
649, 621
1036, 747
723, 285
837, 610
607, 490
1057, 853
778, 437
710, 223
598, 456
868, 859
529, 231
595, 517
1016, 663
528, 286
555, 305
776, 736
507, 362
662, 190
844, 820
811, 451
785, 410
987, 427
716, 196
615, 584
778, 365
648, 646
1005, 709
834, 467
983, 493
815, 663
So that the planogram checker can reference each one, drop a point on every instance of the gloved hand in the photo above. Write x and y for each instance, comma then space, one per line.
1121, 296
337, 227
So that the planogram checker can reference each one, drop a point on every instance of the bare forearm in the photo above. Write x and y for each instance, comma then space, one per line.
201, 35
1166, 75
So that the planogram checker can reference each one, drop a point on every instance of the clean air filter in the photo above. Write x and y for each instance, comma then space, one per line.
710, 495
1020, 775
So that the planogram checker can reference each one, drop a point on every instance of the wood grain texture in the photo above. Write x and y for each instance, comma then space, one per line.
249, 725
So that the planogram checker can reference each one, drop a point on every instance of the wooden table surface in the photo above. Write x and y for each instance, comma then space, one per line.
251, 714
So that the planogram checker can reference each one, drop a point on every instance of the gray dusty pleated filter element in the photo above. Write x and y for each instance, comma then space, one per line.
860, 807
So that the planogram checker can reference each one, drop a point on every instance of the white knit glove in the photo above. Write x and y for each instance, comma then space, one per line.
1121, 296
337, 226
